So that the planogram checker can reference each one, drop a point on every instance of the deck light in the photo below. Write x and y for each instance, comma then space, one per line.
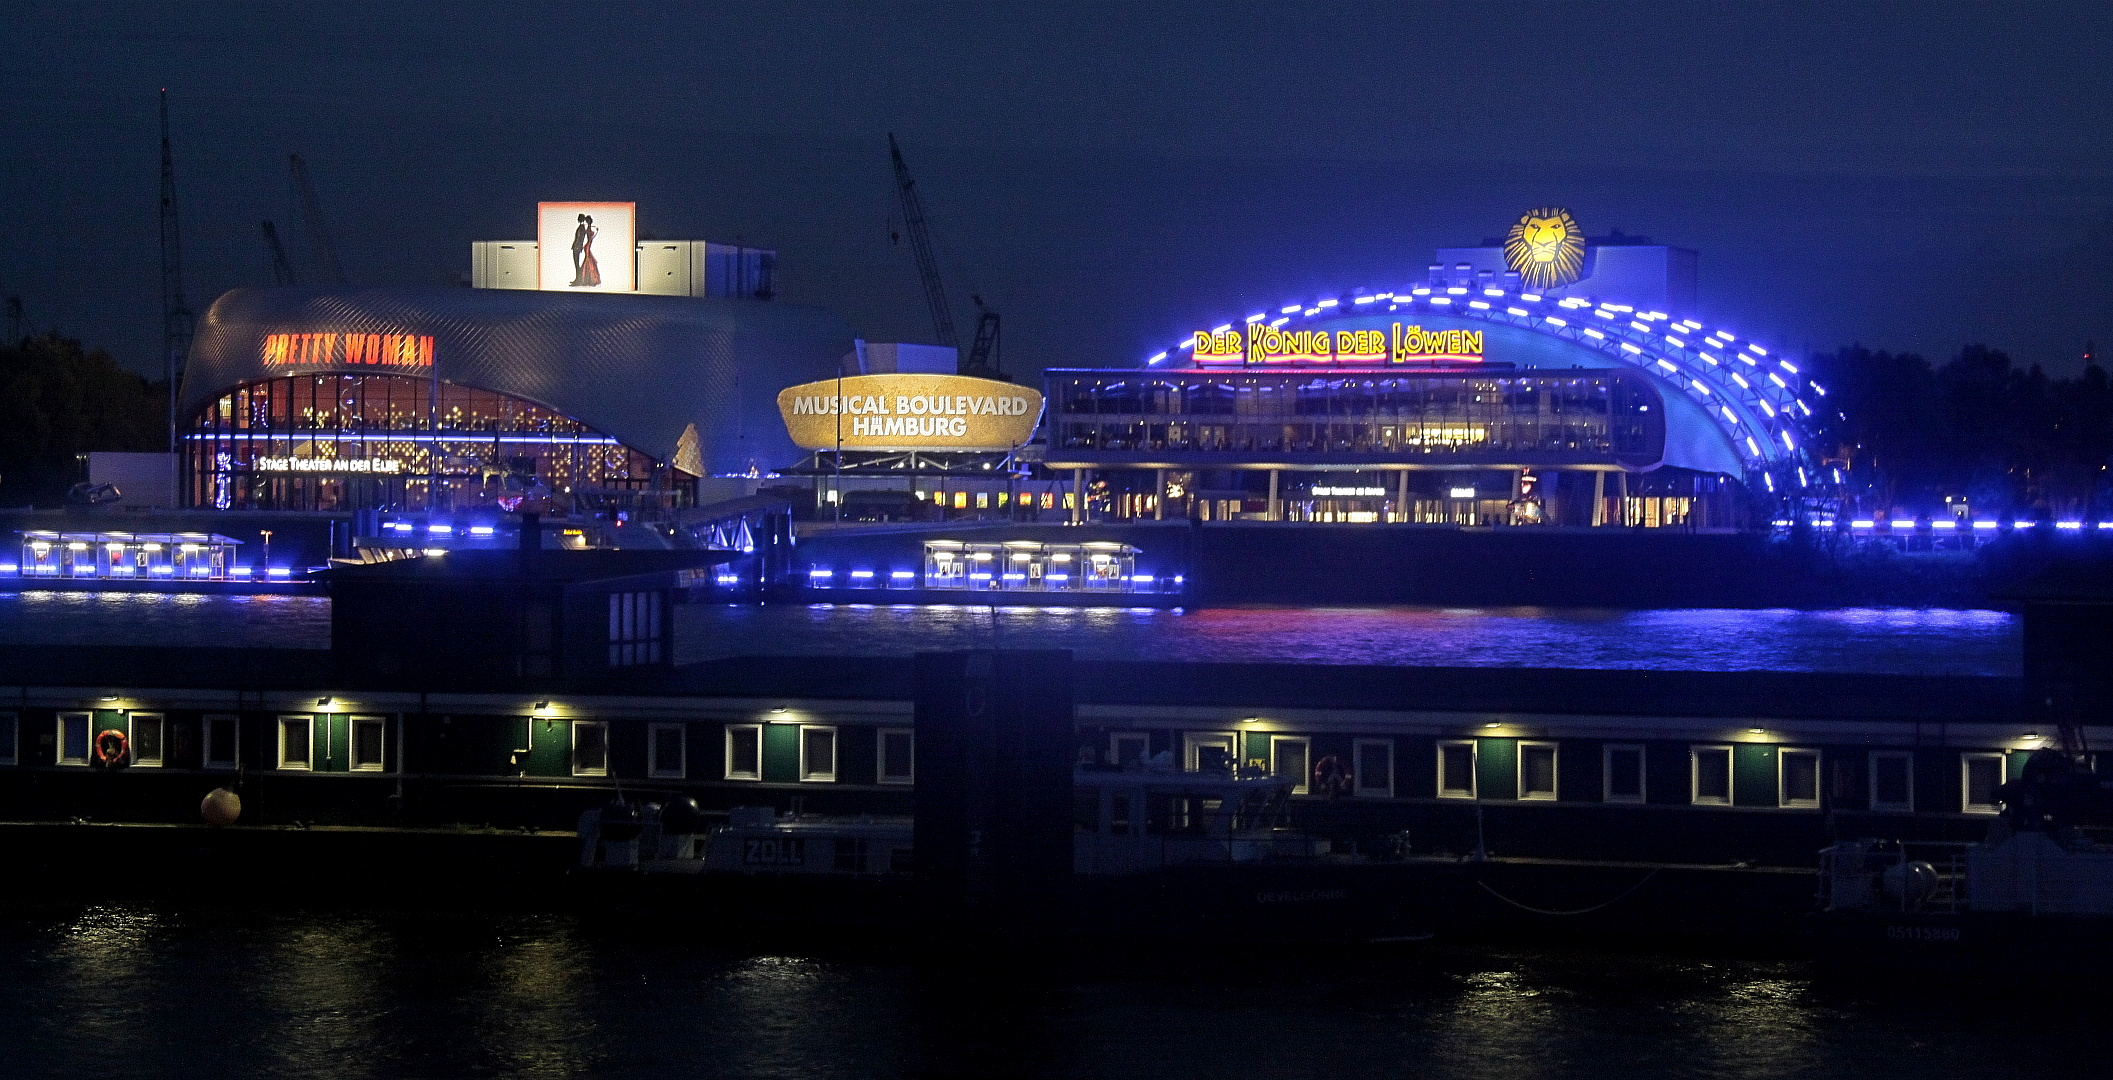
1493, 724
1252, 720
322, 702
1756, 731
2031, 736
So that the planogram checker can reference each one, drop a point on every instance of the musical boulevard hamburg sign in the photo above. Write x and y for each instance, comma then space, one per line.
1398, 344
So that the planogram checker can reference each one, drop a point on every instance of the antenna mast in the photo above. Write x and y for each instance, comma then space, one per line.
328, 271
281, 270
921, 244
177, 322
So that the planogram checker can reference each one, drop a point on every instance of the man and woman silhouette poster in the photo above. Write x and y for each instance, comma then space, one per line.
585, 247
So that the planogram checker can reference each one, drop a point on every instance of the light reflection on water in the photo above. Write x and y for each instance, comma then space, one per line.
121, 618
1896, 640
142, 990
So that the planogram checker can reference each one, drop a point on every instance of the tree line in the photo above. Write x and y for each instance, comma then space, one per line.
59, 400
1907, 434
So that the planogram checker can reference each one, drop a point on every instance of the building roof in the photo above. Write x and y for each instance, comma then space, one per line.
640, 369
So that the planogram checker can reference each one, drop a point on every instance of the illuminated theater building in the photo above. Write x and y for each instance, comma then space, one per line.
449, 400
1489, 392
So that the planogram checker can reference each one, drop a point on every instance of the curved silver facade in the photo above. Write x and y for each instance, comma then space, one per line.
642, 369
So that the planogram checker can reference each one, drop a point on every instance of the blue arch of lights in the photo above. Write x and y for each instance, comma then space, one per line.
1757, 400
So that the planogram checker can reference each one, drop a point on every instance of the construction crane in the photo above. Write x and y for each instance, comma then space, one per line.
177, 322
983, 350
281, 270
327, 269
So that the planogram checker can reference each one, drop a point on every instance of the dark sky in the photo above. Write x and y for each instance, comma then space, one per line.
1910, 176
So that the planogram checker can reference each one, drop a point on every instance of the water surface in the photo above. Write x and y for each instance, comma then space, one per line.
1888, 640
146, 990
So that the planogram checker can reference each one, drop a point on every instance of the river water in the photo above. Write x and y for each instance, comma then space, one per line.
1934, 641
151, 990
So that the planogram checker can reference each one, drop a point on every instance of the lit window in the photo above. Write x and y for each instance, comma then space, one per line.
1798, 779
370, 736
1892, 781
1621, 771
296, 744
1979, 776
1291, 759
10, 733
1456, 769
1537, 771
147, 739
898, 756
818, 754
73, 738
220, 735
1373, 767
1710, 769
590, 748
665, 752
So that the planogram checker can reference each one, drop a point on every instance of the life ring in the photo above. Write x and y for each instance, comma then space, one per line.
1332, 776
111, 748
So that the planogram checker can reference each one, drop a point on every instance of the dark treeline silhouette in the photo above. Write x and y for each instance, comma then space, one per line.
57, 400
2009, 440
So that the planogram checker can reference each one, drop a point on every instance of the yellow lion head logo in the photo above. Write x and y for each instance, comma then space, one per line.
1546, 248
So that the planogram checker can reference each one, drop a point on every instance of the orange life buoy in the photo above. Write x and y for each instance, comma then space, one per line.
1332, 776
111, 748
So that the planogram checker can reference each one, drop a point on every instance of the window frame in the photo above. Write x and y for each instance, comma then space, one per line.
1358, 787
1694, 773
1907, 758
133, 721
1474, 767
880, 756
573, 729
206, 760
1606, 774
836, 754
1819, 778
1966, 760
307, 720
58, 751
658, 769
1194, 741
10, 737
1303, 783
1116, 739
1555, 761
635, 624
729, 771
352, 743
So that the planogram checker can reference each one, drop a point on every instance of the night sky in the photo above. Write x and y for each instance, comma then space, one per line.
1907, 176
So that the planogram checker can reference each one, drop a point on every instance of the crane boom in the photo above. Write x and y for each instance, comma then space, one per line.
328, 271
921, 245
177, 322
281, 269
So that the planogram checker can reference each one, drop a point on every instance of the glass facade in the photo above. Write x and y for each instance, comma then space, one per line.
402, 442
1551, 418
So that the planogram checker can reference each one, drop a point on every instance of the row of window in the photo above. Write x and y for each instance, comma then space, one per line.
1623, 776
302, 747
1798, 777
